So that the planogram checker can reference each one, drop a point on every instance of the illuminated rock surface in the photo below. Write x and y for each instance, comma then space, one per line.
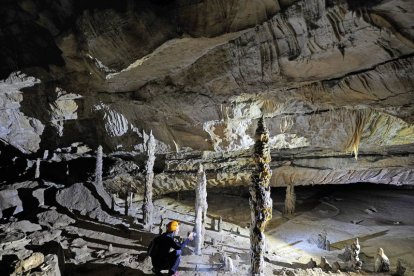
333, 80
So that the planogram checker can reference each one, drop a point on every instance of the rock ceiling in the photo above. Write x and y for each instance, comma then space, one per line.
333, 79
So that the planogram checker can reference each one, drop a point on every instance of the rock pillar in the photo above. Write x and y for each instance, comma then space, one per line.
98, 168
290, 200
200, 209
260, 201
148, 207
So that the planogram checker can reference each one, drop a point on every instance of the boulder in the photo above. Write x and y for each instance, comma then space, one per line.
53, 219
24, 226
50, 266
12, 239
42, 237
10, 202
79, 198
35, 260
39, 194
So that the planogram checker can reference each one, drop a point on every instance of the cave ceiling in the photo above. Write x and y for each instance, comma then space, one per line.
333, 80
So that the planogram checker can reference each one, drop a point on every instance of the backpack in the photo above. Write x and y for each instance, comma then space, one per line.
153, 247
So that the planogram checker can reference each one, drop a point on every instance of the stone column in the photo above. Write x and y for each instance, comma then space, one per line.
161, 228
131, 198
113, 202
290, 200
37, 172
148, 207
200, 209
98, 168
260, 201
220, 224
126, 204
356, 264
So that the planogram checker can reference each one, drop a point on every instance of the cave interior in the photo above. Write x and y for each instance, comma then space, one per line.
281, 132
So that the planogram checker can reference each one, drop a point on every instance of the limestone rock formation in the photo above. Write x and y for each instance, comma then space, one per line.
148, 206
382, 263
78, 198
10, 202
332, 78
17, 129
53, 219
200, 209
261, 204
35, 260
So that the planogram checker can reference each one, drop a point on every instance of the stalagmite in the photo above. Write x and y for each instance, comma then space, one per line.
290, 200
220, 224
260, 201
113, 202
37, 172
126, 204
400, 268
148, 207
201, 209
356, 264
325, 265
161, 228
131, 198
198, 240
382, 263
228, 264
98, 168
322, 241
213, 224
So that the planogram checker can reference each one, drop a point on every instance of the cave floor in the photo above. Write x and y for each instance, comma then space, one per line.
379, 217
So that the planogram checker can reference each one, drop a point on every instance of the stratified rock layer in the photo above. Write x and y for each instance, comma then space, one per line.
332, 78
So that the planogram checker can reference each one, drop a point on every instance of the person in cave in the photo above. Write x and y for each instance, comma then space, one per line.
160, 250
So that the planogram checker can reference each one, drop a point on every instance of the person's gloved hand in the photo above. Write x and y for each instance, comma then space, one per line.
191, 236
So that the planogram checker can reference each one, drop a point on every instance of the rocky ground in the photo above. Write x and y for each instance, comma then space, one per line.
50, 229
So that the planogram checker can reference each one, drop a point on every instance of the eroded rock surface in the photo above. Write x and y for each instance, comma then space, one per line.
330, 77
53, 219
78, 198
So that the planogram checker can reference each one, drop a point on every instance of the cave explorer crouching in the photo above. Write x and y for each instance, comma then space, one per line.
160, 247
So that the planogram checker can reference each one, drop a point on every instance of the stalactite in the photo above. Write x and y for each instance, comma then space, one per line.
98, 168
290, 200
260, 201
148, 207
201, 209
361, 119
